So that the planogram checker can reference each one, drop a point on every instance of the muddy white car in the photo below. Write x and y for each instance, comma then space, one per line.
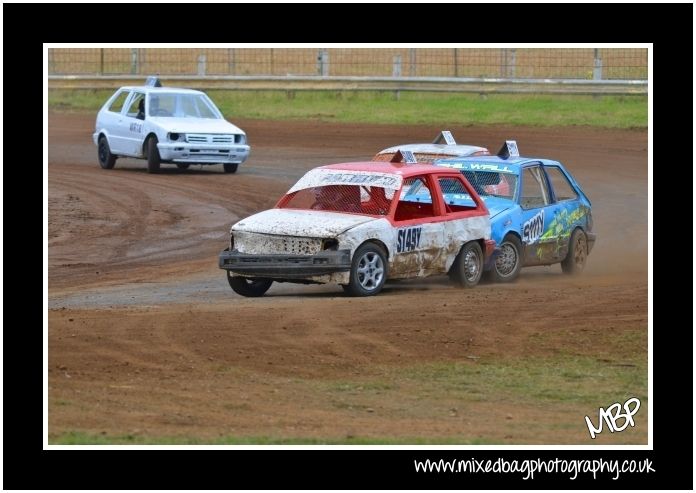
167, 125
360, 224
444, 146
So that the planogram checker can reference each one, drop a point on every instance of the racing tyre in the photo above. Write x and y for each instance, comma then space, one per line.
106, 159
230, 167
509, 260
575, 260
251, 288
182, 165
468, 266
153, 156
368, 271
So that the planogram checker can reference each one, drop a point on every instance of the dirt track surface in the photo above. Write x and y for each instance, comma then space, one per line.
147, 339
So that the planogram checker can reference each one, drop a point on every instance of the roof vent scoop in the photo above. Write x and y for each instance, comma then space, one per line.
509, 149
445, 136
153, 81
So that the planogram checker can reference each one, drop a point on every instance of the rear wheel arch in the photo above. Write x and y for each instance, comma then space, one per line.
103, 134
467, 271
106, 158
576, 256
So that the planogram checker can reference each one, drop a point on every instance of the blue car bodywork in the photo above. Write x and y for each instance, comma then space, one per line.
539, 214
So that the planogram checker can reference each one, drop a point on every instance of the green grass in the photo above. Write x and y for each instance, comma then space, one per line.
563, 385
578, 380
558, 381
409, 108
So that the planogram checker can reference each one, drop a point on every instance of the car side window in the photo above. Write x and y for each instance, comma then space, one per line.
535, 190
561, 185
117, 105
136, 107
415, 201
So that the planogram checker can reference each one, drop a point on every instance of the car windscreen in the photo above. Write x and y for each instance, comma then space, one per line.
352, 192
181, 106
353, 199
492, 183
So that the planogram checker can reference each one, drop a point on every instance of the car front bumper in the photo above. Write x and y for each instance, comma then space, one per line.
285, 266
184, 152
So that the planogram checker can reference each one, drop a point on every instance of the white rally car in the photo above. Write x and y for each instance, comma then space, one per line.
359, 224
167, 125
444, 146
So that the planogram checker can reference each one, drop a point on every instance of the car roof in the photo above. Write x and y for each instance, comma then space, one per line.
456, 149
161, 90
513, 163
402, 169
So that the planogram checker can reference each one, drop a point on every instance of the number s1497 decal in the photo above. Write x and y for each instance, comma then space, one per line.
408, 239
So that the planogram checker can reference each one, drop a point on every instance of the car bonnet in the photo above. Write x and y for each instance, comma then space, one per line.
195, 125
497, 205
305, 223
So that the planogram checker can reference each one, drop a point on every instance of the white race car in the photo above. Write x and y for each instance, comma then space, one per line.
167, 125
359, 224
444, 146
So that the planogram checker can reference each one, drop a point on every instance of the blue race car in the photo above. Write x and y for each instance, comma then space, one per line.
539, 214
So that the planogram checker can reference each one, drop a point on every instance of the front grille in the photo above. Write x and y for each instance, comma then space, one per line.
255, 243
210, 138
275, 260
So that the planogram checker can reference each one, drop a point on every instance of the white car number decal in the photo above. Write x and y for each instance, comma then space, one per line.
408, 239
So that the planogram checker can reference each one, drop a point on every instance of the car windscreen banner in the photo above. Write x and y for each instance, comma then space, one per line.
326, 177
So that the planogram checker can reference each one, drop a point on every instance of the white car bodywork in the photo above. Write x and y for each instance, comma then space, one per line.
187, 126
291, 245
438, 151
288, 232
442, 147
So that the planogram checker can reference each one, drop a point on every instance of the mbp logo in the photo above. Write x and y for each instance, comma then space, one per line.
613, 414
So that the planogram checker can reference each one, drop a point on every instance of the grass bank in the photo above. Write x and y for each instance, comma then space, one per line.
521, 400
408, 108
